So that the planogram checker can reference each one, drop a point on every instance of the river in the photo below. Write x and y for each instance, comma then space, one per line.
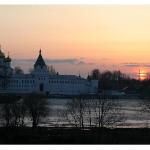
130, 108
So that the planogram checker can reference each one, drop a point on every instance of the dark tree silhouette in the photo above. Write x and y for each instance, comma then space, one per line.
95, 74
145, 108
6, 114
107, 112
18, 112
18, 70
101, 112
89, 109
52, 70
37, 107
11, 110
75, 112
110, 79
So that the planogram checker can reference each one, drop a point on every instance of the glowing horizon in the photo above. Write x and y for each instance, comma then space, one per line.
96, 36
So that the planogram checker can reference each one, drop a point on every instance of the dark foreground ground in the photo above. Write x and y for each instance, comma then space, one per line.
73, 136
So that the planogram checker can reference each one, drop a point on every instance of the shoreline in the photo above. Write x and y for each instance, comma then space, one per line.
47, 135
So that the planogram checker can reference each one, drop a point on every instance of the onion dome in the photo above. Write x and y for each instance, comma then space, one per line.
1, 54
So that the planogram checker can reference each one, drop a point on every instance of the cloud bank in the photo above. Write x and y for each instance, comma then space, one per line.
72, 61
147, 65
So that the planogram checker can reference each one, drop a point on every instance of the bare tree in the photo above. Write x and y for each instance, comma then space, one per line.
107, 112
15, 110
37, 107
89, 109
11, 110
52, 70
145, 110
18, 112
6, 114
18, 70
75, 112
95, 74
23, 112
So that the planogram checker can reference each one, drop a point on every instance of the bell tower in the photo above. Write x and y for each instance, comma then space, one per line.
40, 66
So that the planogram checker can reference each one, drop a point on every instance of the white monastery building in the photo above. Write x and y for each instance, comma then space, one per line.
41, 80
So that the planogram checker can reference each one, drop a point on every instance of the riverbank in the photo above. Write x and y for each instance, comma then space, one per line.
43, 135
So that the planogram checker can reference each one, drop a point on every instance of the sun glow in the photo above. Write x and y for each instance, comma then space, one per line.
142, 74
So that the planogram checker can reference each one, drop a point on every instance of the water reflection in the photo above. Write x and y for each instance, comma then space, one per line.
130, 108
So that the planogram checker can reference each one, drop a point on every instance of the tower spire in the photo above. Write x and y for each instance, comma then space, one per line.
39, 61
79, 74
40, 51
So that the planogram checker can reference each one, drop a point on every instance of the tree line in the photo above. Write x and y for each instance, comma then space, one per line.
79, 112
16, 109
110, 79
117, 80
94, 112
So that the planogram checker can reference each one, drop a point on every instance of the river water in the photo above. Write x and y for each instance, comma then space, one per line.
130, 108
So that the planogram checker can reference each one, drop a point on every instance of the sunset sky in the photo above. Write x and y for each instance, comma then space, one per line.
76, 39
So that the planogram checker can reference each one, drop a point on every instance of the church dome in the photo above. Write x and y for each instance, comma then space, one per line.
2, 54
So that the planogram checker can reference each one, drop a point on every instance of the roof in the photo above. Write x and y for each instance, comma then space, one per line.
71, 77
40, 61
60, 77
18, 76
